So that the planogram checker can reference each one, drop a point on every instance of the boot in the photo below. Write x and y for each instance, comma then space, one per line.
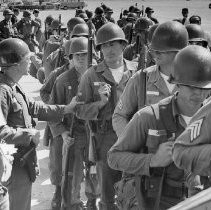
56, 201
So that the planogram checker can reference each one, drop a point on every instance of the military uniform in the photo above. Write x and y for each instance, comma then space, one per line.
6, 30
25, 29
98, 21
17, 112
131, 99
192, 149
134, 149
65, 88
101, 121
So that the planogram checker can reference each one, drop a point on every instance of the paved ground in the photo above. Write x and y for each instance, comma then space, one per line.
42, 189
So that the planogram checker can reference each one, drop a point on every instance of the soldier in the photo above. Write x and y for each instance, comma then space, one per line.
6, 28
14, 18
185, 19
129, 27
192, 148
167, 40
135, 49
64, 89
122, 21
16, 112
149, 11
196, 35
72, 23
25, 29
108, 13
99, 19
145, 147
100, 88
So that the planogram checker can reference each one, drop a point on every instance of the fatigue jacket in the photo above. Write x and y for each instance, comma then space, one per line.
88, 90
6, 30
17, 110
192, 149
131, 99
141, 138
25, 28
64, 89
46, 89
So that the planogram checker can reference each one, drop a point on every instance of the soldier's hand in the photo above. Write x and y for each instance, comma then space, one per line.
35, 135
5, 167
104, 91
71, 106
67, 139
163, 156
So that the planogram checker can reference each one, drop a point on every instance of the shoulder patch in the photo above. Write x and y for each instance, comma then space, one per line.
195, 129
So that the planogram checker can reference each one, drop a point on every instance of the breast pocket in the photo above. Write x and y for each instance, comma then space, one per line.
155, 139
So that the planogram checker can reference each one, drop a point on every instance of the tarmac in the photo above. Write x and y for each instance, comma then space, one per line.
42, 190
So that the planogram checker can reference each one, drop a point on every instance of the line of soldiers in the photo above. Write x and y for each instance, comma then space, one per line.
114, 106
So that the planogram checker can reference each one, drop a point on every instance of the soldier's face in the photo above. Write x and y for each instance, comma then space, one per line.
112, 51
163, 58
80, 61
24, 64
193, 96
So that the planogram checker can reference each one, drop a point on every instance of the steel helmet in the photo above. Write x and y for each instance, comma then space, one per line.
83, 16
151, 32
55, 24
49, 19
131, 16
99, 11
12, 50
192, 67
81, 29
195, 19
74, 21
142, 24
78, 45
7, 12
109, 32
195, 32
26, 13
169, 36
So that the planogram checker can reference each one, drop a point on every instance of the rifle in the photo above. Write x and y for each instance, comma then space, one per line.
131, 34
92, 148
67, 171
60, 24
46, 32
143, 13
90, 46
120, 16
143, 75
59, 58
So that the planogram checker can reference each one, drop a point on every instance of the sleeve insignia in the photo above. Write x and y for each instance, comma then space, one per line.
120, 105
195, 129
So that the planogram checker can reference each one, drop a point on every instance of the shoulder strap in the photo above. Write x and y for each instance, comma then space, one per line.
164, 117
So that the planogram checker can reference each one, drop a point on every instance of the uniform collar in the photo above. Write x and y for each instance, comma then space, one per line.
175, 111
156, 79
106, 73
6, 80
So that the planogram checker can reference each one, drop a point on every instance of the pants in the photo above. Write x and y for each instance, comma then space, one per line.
107, 177
55, 160
80, 158
19, 187
4, 200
